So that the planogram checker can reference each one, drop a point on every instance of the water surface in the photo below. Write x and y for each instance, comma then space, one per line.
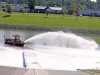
50, 50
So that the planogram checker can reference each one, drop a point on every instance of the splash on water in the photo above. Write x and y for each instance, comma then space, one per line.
54, 51
61, 39
62, 51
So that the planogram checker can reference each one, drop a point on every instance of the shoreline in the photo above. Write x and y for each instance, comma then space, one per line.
71, 30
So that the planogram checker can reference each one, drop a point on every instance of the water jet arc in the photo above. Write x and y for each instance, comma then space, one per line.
61, 39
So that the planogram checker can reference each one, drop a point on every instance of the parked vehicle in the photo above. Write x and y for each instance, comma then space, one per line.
85, 14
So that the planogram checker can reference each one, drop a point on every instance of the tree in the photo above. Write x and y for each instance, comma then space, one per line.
91, 14
9, 9
31, 4
48, 11
83, 4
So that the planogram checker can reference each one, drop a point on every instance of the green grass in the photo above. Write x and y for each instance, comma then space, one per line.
92, 71
53, 20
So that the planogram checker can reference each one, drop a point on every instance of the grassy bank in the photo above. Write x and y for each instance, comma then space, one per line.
53, 20
91, 71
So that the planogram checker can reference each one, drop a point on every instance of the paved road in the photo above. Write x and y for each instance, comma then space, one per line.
60, 72
57, 72
11, 71
23, 71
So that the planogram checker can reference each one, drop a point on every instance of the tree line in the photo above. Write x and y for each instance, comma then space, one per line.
82, 4
69, 4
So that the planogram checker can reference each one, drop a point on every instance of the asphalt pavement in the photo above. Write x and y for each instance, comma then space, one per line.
26, 71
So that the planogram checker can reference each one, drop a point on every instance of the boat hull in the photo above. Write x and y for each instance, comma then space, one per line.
10, 42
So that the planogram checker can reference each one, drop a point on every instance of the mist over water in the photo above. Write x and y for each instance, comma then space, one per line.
61, 39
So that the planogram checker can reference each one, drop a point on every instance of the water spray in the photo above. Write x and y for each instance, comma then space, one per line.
61, 39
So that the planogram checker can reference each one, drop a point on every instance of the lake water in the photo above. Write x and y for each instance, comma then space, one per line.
50, 50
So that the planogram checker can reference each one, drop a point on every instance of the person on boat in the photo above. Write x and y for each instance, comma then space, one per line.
16, 40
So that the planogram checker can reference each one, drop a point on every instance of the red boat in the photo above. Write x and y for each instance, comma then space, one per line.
16, 41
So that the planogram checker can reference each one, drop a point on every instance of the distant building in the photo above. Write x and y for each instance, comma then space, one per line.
42, 9
39, 9
55, 10
19, 8
86, 12
26, 9
16, 9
